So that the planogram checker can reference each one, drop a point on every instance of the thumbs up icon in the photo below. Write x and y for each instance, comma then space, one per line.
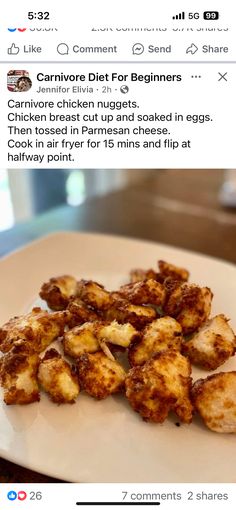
13, 50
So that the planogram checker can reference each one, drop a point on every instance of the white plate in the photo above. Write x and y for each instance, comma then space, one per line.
106, 441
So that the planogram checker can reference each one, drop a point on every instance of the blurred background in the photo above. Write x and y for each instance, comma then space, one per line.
192, 209
26, 193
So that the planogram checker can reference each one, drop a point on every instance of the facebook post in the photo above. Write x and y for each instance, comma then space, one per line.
68, 119
117, 254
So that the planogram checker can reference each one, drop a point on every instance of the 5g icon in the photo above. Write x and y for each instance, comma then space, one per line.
193, 15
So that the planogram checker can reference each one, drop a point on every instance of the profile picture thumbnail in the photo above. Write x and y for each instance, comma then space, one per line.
18, 81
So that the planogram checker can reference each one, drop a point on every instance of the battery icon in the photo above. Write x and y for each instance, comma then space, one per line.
211, 15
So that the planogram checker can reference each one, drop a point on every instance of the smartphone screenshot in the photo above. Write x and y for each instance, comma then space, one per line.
117, 254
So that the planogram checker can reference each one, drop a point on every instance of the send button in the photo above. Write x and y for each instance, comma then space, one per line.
159, 49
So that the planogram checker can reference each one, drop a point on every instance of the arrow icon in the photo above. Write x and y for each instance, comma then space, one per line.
192, 49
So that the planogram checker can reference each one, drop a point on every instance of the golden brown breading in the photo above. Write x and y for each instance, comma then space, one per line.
123, 311
166, 270
39, 328
58, 378
212, 345
100, 376
161, 334
94, 294
138, 275
58, 291
143, 293
80, 340
160, 385
80, 313
189, 304
169, 270
18, 374
215, 400
171, 285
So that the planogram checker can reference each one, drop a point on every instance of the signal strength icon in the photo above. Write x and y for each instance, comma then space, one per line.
181, 15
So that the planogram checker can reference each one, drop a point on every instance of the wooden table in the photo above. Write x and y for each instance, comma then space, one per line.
176, 207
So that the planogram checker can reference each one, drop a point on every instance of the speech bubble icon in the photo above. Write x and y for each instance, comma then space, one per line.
137, 49
63, 49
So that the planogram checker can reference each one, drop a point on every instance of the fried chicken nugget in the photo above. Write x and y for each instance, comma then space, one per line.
189, 304
212, 345
215, 400
144, 292
100, 376
138, 275
80, 313
58, 291
117, 334
38, 328
94, 294
169, 270
18, 374
160, 385
90, 337
80, 340
166, 270
58, 378
123, 311
161, 334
